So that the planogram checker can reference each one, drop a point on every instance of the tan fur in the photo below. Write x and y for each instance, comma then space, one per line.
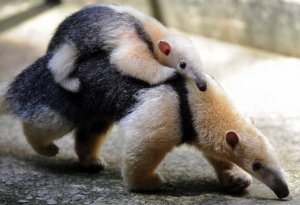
218, 116
152, 131
41, 139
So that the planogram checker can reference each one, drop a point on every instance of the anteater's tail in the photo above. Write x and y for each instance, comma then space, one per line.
3, 90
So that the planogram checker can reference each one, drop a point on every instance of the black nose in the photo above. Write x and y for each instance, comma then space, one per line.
202, 86
282, 191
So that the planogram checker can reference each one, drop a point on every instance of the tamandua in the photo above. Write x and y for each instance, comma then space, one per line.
153, 121
137, 44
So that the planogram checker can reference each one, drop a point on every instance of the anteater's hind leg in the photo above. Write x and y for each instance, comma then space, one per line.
89, 141
41, 138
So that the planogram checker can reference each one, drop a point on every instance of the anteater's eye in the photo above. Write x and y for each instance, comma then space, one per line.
256, 166
182, 65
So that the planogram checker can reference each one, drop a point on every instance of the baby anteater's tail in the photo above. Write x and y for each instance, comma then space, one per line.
3, 90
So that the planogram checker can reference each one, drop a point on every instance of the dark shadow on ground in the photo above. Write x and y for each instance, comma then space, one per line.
60, 167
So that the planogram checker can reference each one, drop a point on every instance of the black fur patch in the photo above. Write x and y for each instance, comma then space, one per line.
144, 35
105, 97
85, 29
88, 27
188, 131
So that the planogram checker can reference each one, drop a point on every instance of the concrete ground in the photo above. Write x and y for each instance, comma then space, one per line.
263, 84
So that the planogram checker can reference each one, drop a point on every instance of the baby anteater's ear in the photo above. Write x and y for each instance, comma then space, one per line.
164, 47
232, 139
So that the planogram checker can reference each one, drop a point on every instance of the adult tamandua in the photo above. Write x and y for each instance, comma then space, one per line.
137, 44
153, 120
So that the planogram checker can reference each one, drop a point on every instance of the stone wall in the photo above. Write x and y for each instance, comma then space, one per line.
273, 25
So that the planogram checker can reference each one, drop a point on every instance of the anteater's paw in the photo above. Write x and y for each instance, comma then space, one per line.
150, 183
235, 181
48, 151
93, 166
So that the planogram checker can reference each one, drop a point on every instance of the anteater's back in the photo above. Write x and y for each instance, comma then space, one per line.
104, 94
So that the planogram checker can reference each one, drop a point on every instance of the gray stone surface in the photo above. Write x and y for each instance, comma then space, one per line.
264, 84
273, 25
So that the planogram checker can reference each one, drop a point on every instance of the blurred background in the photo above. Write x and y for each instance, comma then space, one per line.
252, 47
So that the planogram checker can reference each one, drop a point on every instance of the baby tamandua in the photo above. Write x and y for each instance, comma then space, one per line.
137, 44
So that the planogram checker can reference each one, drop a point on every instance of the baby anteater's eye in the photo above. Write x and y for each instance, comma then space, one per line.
256, 166
182, 64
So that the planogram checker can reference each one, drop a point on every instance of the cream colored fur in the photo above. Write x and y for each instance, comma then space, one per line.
62, 65
133, 58
151, 131
41, 133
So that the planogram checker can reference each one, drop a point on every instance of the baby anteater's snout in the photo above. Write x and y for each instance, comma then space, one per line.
201, 83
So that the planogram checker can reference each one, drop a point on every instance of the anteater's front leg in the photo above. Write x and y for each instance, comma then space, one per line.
232, 178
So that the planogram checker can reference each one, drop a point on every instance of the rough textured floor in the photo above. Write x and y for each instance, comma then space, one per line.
264, 84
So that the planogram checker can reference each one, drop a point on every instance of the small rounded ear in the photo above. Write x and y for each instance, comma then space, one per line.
232, 139
164, 47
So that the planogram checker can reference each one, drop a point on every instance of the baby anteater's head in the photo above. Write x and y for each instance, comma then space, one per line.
179, 52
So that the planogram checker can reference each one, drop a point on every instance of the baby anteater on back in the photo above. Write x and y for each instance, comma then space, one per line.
137, 44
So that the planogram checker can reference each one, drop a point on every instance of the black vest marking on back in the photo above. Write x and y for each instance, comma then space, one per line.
188, 131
